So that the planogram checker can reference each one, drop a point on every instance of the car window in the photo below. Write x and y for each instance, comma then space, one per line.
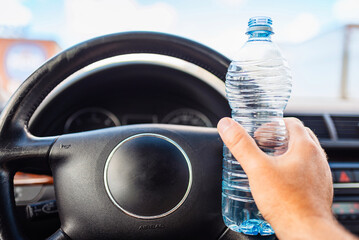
318, 38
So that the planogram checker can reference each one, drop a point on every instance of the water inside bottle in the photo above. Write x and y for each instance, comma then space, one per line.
240, 213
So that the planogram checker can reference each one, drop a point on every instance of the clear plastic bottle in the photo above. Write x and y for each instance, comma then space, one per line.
258, 86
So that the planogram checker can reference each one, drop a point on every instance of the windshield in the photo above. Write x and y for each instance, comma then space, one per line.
320, 39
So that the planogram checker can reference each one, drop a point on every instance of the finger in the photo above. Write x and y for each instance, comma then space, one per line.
312, 135
316, 140
298, 135
296, 128
294, 125
241, 145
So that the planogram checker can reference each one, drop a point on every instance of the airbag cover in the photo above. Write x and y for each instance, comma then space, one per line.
148, 176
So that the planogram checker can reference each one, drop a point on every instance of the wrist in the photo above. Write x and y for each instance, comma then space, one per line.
314, 227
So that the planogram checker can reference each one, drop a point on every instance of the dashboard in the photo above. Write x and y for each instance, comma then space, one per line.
130, 94
135, 93
87, 119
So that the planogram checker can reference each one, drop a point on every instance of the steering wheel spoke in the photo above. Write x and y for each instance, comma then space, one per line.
27, 154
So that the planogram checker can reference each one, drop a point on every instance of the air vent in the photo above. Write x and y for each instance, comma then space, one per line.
347, 126
316, 123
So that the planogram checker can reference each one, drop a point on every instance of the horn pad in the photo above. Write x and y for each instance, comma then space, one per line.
148, 176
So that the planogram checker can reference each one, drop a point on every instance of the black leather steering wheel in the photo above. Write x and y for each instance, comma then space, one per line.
118, 183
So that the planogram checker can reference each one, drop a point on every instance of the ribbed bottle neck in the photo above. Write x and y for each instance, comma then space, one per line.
259, 36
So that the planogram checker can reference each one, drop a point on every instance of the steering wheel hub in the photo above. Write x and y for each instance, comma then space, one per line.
148, 176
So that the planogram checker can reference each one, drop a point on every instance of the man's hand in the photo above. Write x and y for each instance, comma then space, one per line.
293, 191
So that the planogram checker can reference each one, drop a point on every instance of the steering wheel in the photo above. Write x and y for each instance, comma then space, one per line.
150, 181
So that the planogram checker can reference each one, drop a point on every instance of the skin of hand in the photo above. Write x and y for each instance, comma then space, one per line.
293, 191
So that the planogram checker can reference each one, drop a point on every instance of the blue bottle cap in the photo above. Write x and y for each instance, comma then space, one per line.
260, 23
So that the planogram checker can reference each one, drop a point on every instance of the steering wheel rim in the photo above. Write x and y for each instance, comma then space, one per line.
17, 140
31, 93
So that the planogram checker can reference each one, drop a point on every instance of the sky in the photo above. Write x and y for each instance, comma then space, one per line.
310, 32
218, 23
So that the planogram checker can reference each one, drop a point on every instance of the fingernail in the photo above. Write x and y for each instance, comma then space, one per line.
224, 124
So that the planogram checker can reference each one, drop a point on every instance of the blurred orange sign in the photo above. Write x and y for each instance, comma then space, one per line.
19, 58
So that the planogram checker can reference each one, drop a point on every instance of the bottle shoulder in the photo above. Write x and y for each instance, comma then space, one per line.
258, 50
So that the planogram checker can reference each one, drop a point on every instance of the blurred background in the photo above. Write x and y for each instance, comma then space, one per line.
320, 39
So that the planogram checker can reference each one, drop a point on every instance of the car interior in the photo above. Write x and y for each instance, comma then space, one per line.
64, 127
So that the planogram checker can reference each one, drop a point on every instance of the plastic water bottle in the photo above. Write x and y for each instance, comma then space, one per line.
258, 86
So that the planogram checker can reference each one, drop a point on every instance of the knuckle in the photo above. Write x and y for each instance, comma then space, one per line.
310, 131
298, 126
309, 145
312, 145
290, 118
293, 120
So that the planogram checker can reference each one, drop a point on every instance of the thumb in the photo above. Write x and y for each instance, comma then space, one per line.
242, 146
